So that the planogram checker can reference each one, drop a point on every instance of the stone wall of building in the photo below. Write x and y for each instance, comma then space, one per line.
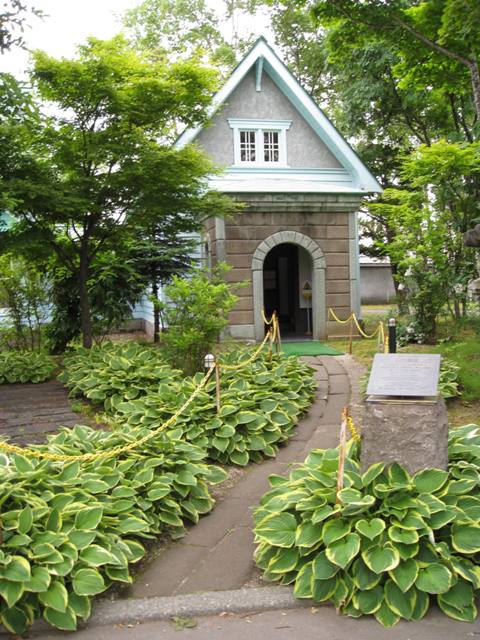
325, 219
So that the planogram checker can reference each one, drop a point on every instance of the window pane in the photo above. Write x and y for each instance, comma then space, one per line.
247, 146
271, 146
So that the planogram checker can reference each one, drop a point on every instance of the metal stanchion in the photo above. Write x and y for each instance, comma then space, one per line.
392, 335
209, 363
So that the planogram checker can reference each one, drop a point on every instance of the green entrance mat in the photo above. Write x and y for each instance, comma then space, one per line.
309, 348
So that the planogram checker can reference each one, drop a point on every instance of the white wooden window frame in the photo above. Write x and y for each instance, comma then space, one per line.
259, 127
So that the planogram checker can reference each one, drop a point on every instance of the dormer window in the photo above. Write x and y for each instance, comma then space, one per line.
260, 142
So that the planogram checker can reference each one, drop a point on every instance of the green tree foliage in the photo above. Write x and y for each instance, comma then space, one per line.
394, 76
18, 122
159, 256
13, 17
437, 40
103, 163
196, 312
114, 286
179, 28
24, 298
429, 219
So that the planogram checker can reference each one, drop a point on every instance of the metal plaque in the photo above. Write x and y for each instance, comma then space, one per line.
404, 374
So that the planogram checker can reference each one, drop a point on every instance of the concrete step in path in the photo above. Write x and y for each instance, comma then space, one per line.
217, 553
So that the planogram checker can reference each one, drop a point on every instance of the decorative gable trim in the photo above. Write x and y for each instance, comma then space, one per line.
258, 74
362, 181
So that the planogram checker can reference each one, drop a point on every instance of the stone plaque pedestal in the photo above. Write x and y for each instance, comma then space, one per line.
412, 433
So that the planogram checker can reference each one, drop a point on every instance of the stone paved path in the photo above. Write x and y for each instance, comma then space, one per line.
30, 411
217, 554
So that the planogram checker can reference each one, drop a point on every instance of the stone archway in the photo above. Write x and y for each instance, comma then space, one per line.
319, 318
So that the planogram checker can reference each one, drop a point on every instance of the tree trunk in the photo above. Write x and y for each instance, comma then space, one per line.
85, 311
475, 73
156, 314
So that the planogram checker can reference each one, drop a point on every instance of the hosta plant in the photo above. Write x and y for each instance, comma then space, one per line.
392, 543
448, 379
260, 406
70, 530
113, 372
25, 366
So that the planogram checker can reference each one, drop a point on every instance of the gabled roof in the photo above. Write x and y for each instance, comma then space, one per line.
356, 179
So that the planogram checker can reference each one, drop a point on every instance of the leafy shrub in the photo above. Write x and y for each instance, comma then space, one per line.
24, 294
196, 314
111, 372
71, 530
114, 287
25, 366
260, 406
448, 380
391, 544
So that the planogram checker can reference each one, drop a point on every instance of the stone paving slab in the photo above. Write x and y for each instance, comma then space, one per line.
217, 554
30, 411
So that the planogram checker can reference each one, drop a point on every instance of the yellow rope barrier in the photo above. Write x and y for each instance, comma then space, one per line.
235, 367
44, 455
380, 330
353, 430
264, 318
337, 319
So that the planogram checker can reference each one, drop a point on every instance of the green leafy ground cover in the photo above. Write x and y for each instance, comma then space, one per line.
261, 403
71, 530
392, 544
114, 372
25, 366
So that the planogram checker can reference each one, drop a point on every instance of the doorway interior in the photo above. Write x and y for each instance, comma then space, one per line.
287, 275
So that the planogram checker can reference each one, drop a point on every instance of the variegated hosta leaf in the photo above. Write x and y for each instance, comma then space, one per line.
417, 536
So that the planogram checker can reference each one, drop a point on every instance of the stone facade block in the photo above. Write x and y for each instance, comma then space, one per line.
245, 292
240, 246
336, 246
237, 275
338, 273
338, 286
338, 231
242, 331
241, 317
316, 223
245, 303
240, 260
339, 300
337, 259
415, 435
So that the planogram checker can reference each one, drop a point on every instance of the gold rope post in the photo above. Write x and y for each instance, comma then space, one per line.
350, 340
278, 336
342, 453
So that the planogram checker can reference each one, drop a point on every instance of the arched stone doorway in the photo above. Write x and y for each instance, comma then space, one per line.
318, 307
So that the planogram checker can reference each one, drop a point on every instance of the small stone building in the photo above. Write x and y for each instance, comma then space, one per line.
376, 281
301, 184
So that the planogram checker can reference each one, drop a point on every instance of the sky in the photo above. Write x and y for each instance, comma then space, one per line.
66, 24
